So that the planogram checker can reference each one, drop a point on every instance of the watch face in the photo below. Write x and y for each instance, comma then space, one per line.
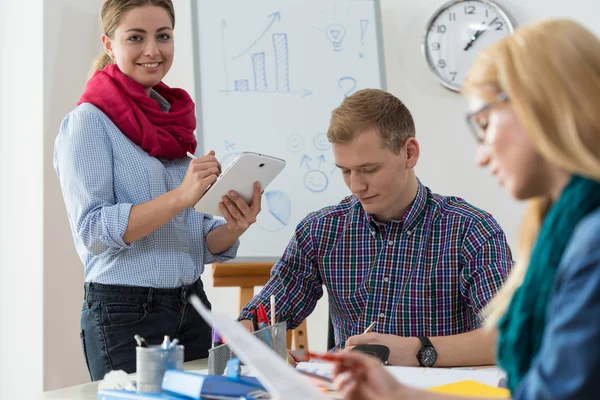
457, 32
428, 356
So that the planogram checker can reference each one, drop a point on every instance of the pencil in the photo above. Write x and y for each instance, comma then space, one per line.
273, 310
370, 327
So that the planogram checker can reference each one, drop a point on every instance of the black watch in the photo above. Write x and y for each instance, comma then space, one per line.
427, 356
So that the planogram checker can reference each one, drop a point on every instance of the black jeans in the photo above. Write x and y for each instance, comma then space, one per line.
112, 315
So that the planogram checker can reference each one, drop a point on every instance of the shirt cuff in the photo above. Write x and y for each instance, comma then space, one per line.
115, 220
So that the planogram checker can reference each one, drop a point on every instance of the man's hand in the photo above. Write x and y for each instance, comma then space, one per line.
247, 324
403, 350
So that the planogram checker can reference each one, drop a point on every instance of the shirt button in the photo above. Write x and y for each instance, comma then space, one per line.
408, 233
385, 279
180, 219
382, 315
390, 243
185, 249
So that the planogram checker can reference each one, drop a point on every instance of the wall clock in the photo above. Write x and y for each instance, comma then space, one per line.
456, 32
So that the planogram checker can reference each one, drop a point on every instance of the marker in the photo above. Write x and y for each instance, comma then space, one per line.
140, 341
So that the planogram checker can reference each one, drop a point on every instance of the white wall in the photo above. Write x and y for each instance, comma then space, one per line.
21, 200
71, 40
30, 249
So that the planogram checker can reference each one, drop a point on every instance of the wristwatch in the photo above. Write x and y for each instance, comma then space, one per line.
427, 356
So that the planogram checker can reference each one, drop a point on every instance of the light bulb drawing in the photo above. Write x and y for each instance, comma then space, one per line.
336, 34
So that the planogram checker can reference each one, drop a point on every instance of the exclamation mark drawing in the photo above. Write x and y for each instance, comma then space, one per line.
363, 27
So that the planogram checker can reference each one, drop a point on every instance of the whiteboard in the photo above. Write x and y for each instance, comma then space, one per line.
268, 73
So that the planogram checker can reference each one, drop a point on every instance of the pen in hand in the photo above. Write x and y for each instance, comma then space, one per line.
370, 327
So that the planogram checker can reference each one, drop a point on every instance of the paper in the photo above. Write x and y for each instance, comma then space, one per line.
281, 380
472, 389
422, 378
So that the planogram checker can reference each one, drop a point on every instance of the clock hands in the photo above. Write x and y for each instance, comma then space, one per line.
477, 34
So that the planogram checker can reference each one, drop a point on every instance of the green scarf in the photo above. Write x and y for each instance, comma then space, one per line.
522, 328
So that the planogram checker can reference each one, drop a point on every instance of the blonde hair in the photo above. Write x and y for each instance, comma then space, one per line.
111, 16
550, 71
372, 108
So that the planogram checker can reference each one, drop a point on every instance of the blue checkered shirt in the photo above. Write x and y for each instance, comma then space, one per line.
102, 175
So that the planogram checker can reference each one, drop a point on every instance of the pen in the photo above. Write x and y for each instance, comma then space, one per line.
254, 320
190, 155
166, 342
273, 320
370, 327
174, 343
140, 341
216, 338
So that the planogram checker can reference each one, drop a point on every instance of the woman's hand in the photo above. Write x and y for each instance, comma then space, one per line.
202, 172
359, 376
239, 215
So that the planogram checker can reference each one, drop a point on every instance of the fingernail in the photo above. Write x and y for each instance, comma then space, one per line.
232, 193
257, 185
224, 198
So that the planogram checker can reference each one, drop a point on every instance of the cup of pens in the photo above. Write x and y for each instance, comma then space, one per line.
153, 360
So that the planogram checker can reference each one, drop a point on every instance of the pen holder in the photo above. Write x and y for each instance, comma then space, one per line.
273, 336
152, 362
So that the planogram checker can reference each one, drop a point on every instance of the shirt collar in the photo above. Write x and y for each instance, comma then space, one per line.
410, 218
162, 102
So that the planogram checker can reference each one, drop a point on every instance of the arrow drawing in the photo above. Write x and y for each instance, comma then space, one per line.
305, 160
321, 160
274, 17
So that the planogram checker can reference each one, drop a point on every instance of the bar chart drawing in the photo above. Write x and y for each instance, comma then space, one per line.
270, 67
282, 68
260, 71
280, 62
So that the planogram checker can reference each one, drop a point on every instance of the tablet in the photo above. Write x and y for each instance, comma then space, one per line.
240, 176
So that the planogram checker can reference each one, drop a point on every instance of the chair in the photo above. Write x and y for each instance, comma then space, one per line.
246, 276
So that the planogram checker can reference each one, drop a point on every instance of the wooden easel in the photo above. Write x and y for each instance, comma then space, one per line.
246, 276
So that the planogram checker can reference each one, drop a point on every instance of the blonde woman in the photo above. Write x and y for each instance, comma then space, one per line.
534, 111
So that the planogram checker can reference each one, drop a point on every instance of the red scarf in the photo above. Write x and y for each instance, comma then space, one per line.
124, 101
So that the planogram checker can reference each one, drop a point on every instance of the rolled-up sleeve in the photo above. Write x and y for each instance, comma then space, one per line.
295, 281
208, 224
84, 164
487, 261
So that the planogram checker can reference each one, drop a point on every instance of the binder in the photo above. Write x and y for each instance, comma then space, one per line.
196, 386
127, 394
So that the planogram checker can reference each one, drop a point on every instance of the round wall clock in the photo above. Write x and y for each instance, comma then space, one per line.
456, 32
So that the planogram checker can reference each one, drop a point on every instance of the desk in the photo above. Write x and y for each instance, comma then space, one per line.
89, 391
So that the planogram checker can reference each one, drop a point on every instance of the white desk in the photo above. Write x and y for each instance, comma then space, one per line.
89, 391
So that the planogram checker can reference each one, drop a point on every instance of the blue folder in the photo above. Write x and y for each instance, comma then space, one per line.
126, 394
196, 386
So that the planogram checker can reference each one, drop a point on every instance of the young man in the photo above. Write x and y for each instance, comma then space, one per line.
420, 265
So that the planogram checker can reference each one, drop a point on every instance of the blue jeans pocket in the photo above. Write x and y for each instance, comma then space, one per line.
122, 315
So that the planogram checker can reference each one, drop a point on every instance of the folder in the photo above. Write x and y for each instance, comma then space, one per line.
472, 389
127, 394
195, 386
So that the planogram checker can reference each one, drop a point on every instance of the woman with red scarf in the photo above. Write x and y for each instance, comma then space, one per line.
129, 189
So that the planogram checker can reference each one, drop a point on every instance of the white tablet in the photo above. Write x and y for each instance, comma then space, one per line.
240, 176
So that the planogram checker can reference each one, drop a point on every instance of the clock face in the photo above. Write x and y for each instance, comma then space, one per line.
457, 32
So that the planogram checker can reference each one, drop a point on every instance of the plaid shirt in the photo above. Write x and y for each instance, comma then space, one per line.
430, 274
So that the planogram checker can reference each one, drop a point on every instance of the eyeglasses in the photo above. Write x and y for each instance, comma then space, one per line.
473, 126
